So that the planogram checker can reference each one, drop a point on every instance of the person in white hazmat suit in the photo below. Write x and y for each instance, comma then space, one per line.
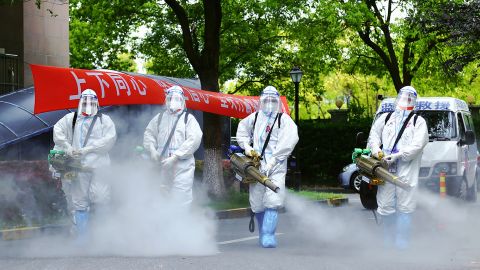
252, 134
396, 205
88, 136
172, 137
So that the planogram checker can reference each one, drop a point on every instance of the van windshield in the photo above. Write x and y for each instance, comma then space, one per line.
441, 124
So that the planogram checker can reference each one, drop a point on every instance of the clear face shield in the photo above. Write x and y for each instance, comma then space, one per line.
88, 105
175, 102
270, 103
406, 100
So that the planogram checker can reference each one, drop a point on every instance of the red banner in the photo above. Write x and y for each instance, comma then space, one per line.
60, 88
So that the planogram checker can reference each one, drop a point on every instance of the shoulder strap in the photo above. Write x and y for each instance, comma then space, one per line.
159, 119
268, 137
185, 122
388, 117
254, 123
167, 144
89, 132
402, 129
415, 119
74, 120
279, 118
186, 117
253, 128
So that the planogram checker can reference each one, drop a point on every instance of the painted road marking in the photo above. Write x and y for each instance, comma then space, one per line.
241, 240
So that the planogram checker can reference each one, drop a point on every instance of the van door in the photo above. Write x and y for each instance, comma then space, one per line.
471, 150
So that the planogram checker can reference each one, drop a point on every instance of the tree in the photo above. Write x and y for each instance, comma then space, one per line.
186, 39
392, 30
203, 54
100, 31
459, 21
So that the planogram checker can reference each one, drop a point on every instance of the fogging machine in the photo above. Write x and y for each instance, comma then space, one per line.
248, 169
375, 170
65, 165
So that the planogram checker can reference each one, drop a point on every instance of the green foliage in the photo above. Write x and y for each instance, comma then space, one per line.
401, 43
100, 31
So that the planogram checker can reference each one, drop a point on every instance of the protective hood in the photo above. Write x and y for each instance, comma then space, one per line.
270, 100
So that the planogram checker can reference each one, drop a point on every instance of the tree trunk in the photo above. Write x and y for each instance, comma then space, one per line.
206, 65
212, 164
212, 142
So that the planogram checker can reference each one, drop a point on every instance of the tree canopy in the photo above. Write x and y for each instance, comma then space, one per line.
370, 46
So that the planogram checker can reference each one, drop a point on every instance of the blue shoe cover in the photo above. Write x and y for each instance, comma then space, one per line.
269, 226
388, 222
259, 217
81, 226
404, 225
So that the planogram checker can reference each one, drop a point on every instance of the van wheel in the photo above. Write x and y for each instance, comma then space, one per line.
462, 190
368, 195
472, 192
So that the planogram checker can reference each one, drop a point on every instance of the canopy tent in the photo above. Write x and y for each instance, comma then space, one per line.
18, 121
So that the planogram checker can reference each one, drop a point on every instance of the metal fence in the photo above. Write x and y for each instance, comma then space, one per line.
9, 73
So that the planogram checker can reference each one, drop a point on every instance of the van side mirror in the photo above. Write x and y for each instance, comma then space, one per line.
360, 141
469, 138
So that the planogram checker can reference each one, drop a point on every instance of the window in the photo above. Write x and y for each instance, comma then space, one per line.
440, 124
461, 126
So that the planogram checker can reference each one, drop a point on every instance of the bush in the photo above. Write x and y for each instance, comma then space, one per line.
28, 194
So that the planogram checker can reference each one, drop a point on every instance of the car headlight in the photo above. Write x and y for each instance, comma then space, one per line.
450, 168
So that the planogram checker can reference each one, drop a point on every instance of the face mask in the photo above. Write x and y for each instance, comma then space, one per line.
405, 101
88, 106
269, 105
175, 104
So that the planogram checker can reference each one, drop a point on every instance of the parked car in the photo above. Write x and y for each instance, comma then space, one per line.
350, 178
452, 147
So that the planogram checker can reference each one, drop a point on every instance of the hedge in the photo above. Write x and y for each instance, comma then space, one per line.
28, 194
325, 147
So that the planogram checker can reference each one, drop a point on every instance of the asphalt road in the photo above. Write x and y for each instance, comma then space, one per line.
310, 236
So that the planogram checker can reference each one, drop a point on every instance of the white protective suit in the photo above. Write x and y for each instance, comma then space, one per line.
86, 188
281, 144
185, 141
389, 197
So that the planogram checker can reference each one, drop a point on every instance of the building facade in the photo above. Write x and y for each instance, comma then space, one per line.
31, 35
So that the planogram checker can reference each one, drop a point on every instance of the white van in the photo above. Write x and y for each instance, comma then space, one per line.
452, 147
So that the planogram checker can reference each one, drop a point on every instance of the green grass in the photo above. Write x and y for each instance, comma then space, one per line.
240, 199
319, 195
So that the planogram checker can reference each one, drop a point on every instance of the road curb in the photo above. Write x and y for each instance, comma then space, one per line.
29, 232
245, 212
19, 233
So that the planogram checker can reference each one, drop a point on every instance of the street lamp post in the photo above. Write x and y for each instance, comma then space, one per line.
296, 75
